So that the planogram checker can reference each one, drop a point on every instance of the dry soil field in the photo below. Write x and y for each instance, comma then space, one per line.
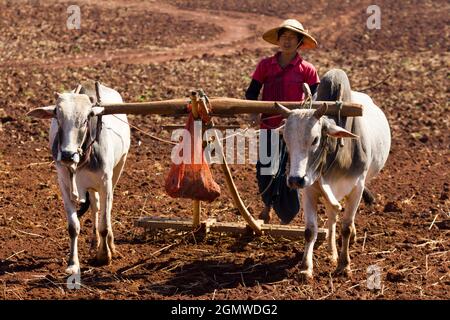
150, 50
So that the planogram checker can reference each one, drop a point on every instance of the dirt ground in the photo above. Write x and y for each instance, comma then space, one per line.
150, 50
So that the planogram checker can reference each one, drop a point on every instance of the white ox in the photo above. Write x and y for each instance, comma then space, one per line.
323, 167
89, 157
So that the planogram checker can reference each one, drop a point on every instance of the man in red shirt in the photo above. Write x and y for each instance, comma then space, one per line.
281, 77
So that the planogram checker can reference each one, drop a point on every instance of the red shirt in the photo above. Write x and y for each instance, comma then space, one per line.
283, 84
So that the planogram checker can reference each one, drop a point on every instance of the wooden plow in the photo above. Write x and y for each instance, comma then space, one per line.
224, 107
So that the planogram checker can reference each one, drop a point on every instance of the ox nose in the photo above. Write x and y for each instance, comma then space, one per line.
67, 156
296, 182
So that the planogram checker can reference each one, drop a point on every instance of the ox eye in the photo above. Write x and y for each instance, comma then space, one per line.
316, 139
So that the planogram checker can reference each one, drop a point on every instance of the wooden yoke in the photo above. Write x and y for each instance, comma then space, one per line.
227, 107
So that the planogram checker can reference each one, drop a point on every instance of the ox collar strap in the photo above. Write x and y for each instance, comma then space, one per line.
86, 152
320, 157
324, 170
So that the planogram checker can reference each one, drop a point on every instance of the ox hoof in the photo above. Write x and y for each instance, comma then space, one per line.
353, 237
93, 247
113, 250
332, 260
343, 271
116, 254
305, 276
74, 197
103, 259
73, 269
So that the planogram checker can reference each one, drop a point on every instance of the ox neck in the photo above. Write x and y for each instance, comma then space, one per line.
88, 144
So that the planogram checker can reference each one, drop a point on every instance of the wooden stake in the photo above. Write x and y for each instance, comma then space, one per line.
196, 210
196, 207
194, 104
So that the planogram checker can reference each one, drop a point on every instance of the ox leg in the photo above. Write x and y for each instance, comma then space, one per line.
348, 227
95, 208
329, 196
106, 247
73, 228
309, 199
331, 224
353, 234
118, 170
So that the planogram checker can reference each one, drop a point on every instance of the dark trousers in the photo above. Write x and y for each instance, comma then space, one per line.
274, 189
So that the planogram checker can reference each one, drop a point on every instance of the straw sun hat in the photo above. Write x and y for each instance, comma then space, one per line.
271, 35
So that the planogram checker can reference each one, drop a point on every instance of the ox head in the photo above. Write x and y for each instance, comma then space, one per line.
304, 134
72, 113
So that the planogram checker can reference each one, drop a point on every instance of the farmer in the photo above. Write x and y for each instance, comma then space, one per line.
281, 76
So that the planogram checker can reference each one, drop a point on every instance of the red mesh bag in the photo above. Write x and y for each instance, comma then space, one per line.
192, 180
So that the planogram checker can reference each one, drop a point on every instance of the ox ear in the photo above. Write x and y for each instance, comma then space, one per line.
96, 111
43, 112
335, 131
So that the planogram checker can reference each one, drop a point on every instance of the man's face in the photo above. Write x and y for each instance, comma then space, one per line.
288, 41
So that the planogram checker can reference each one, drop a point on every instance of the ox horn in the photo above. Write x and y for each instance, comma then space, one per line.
97, 91
283, 110
78, 89
321, 111
56, 95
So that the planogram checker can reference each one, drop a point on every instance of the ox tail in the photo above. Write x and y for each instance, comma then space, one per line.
84, 206
368, 197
